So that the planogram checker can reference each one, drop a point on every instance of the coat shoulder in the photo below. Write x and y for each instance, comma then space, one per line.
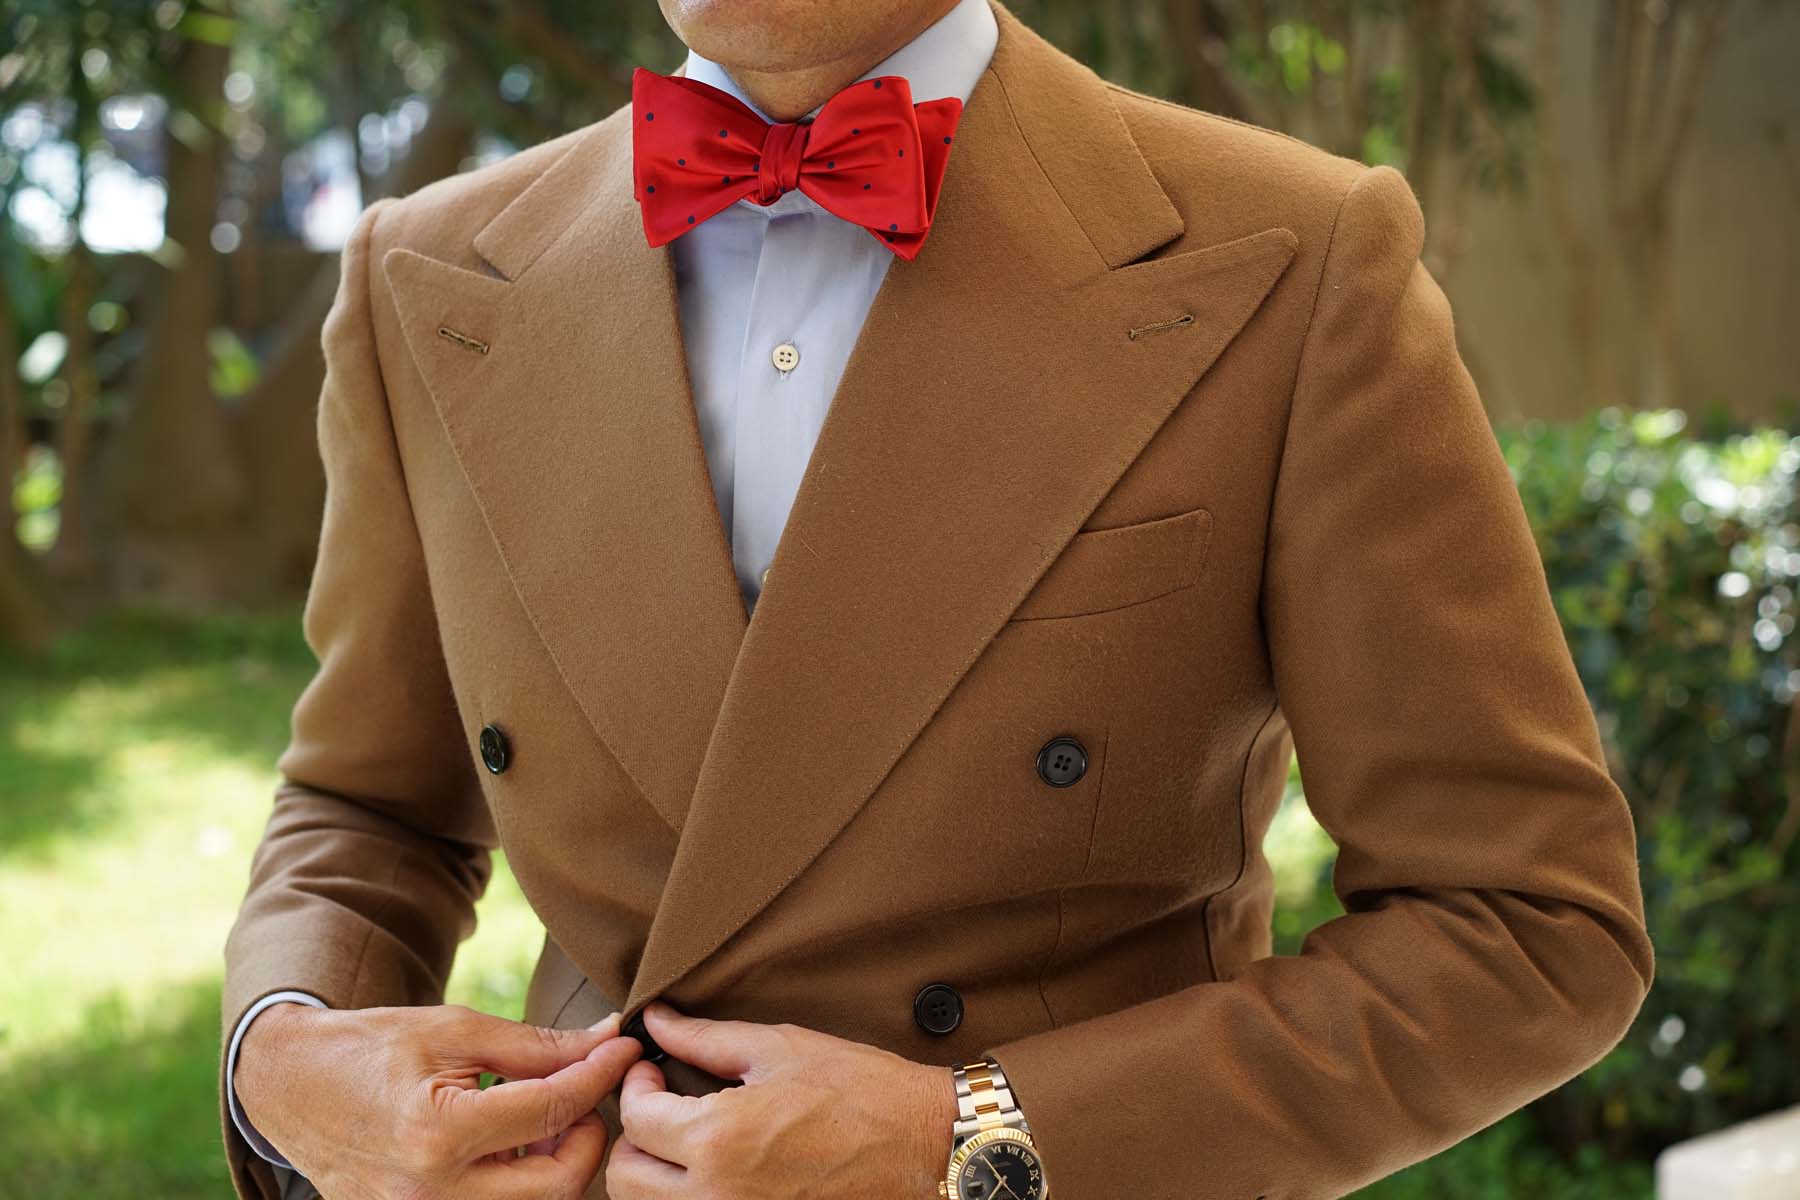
1230, 178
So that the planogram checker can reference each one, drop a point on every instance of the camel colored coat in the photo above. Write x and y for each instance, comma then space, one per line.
1162, 443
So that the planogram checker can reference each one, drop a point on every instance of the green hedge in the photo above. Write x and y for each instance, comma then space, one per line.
1674, 562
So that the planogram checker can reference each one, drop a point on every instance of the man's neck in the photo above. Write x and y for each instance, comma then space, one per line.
789, 95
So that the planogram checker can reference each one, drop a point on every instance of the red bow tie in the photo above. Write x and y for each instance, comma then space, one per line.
871, 156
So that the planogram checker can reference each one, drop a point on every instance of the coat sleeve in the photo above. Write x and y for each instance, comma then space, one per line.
1493, 942
378, 844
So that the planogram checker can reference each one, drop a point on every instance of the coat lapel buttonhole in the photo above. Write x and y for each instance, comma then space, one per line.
1139, 331
462, 339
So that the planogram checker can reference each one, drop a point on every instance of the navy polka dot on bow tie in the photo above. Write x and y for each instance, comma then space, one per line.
867, 186
878, 83
757, 165
831, 164
902, 154
856, 131
893, 226
649, 116
727, 179
650, 188
690, 220
721, 133
681, 162
946, 141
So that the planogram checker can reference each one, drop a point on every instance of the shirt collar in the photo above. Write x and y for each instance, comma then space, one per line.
947, 58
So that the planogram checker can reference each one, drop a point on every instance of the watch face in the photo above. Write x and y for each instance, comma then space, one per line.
999, 1164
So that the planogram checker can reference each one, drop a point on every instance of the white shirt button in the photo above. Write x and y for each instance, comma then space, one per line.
786, 357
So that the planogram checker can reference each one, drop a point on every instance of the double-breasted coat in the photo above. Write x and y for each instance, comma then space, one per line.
1161, 446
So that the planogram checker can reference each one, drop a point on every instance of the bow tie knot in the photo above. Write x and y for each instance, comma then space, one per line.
870, 156
778, 171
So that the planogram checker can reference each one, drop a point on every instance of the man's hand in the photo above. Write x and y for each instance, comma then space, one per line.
816, 1118
378, 1103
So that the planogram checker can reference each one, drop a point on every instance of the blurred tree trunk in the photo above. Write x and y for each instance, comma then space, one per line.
12, 403
1588, 275
1199, 49
199, 503
1789, 827
24, 606
75, 425
1428, 28
274, 428
1653, 65
1648, 70
168, 487
25, 624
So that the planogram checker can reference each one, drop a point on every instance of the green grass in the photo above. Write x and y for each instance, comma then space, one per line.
136, 772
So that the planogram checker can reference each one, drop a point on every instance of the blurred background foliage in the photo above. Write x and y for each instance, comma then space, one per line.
176, 176
1674, 561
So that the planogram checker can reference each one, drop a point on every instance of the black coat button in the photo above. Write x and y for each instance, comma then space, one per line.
634, 1028
495, 753
937, 1008
1061, 762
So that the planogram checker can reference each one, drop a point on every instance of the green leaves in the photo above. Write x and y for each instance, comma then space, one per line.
201, 26
1674, 564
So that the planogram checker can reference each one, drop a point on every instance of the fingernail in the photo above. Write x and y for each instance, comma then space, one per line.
611, 1016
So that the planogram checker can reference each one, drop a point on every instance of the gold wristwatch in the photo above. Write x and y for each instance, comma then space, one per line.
992, 1156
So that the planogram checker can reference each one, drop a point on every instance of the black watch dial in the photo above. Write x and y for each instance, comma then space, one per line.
1002, 1170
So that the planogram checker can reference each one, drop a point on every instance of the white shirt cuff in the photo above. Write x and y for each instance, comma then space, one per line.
257, 1141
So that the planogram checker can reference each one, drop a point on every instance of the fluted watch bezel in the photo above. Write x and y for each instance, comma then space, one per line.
987, 1114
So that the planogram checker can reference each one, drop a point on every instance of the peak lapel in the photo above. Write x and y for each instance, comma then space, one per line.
577, 432
993, 398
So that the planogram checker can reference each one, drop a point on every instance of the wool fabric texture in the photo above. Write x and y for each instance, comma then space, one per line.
1164, 443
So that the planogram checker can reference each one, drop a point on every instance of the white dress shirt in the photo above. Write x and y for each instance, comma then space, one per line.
772, 300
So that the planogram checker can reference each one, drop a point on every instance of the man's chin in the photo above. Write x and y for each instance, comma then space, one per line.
781, 35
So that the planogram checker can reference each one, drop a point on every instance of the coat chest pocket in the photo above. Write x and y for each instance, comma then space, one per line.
1104, 569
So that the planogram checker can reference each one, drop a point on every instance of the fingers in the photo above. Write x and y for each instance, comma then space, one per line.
635, 1172
643, 1078
728, 1049
566, 1170
515, 1050
517, 1112
545, 1145
655, 1119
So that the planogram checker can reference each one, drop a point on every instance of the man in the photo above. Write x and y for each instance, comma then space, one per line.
1130, 455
